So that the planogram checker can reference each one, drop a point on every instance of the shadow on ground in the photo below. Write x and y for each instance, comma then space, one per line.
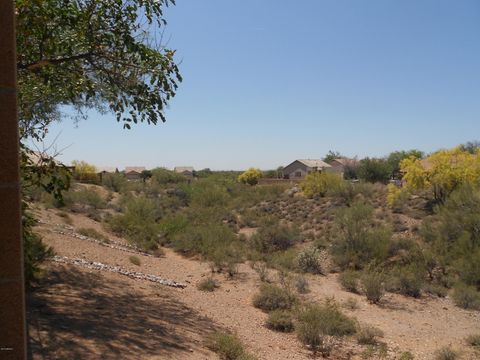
74, 314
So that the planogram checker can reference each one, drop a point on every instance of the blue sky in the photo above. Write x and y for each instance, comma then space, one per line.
270, 81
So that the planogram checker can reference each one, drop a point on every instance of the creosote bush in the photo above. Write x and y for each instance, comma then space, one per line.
349, 280
368, 335
228, 346
280, 320
272, 297
466, 297
135, 260
308, 261
373, 286
446, 353
209, 284
275, 237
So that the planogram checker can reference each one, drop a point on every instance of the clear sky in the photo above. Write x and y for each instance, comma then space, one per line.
270, 81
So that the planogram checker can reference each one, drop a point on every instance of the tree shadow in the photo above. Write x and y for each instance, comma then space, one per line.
74, 314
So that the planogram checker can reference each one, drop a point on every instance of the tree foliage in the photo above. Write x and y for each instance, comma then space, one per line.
250, 177
331, 155
374, 170
319, 183
92, 54
443, 171
84, 171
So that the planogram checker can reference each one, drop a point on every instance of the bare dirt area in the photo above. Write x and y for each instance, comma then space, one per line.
87, 314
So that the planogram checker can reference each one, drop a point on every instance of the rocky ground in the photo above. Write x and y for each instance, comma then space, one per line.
79, 312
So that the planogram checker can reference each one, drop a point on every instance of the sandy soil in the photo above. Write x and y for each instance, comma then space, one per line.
87, 314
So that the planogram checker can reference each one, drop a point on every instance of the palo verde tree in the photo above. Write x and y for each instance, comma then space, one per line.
442, 172
88, 54
250, 177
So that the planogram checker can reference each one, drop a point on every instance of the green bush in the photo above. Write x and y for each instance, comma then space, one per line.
92, 233
453, 233
315, 321
373, 286
357, 241
349, 280
114, 181
208, 284
446, 353
319, 183
280, 320
411, 282
374, 170
228, 346
272, 297
466, 297
138, 223
368, 335
474, 340
301, 284
135, 260
308, 261
87, 197
275, 237
163, 176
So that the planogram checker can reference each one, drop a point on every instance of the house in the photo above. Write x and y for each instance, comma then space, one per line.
300, 168
343, 166
134, 172
103, 170
186, 171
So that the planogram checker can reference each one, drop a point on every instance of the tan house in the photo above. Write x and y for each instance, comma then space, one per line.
103, 170
300, 168
342, 165
184, 170
134, 172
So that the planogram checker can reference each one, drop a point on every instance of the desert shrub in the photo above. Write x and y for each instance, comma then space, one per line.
34, 250
466, 297
283, 260
374, 170
410, 281
262, 270
397, 197
349, 280
473, 340
301, 284
356, 241
208, 284
406, 355
345, 191
319, 183
446, 353
308, 261
327, 319
92, 233
275, 237
138, 222
66, 218
114, 181
272, 297
135, 260
163, 176
454, 236
373, 286
351, 304
280, 320
368, 335
204, 194
86, 197
228, 346
436, 289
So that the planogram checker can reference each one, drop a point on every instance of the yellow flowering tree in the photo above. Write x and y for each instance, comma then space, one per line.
317, 184
442, 171
250, 177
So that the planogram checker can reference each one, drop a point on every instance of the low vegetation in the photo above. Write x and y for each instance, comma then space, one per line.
208, 284
280, 320
228, 347
272, 297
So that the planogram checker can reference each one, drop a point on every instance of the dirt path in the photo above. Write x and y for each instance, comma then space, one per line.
420, 326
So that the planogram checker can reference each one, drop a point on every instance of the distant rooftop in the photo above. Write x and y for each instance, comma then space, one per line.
181, 169
137, 169
314, 163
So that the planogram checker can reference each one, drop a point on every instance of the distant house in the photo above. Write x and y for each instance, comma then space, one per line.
186, 171
134, 172
342, 165
300, 168
103, 170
